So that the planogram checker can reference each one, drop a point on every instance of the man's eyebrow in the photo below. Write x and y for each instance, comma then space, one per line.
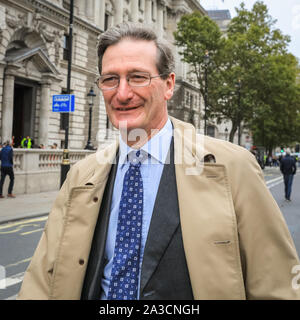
109, 74
138, 70
128, 72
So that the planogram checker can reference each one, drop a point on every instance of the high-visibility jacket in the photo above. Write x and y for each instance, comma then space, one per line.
23, 145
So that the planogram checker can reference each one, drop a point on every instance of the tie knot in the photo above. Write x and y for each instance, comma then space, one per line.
136, 158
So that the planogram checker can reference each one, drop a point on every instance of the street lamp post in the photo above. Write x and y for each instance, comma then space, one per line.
65, 165
239, 84
90, 96
206, 62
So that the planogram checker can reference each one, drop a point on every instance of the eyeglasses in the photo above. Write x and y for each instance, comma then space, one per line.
135, 79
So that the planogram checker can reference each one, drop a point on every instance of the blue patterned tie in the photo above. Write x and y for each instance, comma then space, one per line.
125, 269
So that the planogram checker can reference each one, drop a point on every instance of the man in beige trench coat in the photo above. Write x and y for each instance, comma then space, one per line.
221, 237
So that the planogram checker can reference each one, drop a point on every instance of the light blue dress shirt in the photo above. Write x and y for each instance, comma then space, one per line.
151, 171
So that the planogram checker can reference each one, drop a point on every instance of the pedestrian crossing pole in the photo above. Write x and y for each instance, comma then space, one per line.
65, 165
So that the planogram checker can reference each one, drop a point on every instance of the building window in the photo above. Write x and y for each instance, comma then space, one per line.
192, 101
187, 98
63, 116
106, 18
153, 9
63, 121
211, 131
66, 47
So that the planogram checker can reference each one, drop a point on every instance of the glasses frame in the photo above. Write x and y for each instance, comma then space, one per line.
127, 79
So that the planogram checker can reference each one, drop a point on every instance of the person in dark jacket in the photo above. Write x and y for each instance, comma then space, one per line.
6, 157
288, 169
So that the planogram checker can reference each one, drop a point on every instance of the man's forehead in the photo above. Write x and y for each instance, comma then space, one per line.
129, 46
138, 53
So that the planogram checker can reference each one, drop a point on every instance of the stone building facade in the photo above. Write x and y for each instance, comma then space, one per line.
33, 65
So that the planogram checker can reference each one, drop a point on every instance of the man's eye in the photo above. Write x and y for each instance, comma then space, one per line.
138, 77
109, 79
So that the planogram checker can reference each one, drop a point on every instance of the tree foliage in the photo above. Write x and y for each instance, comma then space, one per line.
197, 34
254, 55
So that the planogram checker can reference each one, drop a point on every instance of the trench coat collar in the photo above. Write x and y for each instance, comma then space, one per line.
190, 151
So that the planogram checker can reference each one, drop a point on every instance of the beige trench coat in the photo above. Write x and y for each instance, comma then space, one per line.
236, 241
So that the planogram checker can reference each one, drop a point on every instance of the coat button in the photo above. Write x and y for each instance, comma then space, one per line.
95, 199
81, 262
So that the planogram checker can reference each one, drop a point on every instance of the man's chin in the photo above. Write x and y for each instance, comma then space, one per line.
129, 124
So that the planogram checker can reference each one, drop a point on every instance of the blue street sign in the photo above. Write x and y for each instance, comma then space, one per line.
63, 103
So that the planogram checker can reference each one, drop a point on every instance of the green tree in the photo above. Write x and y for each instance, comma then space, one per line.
251, 75
275, 121
198, 37
251, 40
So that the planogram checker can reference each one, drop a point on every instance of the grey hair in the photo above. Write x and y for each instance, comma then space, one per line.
165, 60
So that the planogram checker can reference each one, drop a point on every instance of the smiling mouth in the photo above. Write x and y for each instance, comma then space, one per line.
126, 109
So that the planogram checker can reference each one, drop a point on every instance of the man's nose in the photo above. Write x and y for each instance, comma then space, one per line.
124, 91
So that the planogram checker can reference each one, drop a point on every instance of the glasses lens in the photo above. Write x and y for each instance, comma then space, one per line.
108, 82
139, 79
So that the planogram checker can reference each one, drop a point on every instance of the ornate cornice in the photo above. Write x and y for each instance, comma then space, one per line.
52, 14
179, 11
76, 68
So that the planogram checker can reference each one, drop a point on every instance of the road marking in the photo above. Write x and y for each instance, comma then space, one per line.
18, 262
13, 224
19, 228
12, 297
275, 179
29, 232
274, 182
12, 280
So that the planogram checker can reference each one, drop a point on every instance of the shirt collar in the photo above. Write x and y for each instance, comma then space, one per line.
157, 147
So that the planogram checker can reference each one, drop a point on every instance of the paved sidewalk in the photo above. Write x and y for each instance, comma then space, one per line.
26, 206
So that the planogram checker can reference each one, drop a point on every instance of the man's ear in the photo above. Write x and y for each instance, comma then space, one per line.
170, 84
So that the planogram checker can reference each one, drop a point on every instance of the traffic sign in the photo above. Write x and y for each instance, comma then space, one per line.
63, 103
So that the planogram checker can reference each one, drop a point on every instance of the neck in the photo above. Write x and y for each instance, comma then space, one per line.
136, 138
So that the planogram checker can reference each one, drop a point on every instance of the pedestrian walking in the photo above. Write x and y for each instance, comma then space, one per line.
288, 169
6, 157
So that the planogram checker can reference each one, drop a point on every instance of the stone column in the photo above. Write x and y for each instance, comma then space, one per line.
90, 10
8, 103
148, 13
135, 10
44, 111
100, 14
81, 8
160, 17
119, 12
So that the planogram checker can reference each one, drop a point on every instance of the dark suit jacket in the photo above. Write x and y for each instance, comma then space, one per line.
288, 165
164, 271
